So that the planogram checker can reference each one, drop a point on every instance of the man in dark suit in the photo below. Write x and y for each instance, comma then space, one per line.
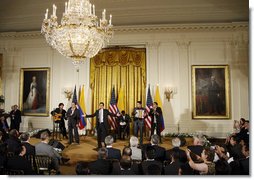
60, 112
15, 115
30, 149
159, 151
18, 162
102, 125
13, 142
150, 160
124, 125
245, 162
101, 166
179, 154
156, 114
113, 153
73, 117
173, 167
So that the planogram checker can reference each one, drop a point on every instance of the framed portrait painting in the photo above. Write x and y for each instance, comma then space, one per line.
210, 92
34, 91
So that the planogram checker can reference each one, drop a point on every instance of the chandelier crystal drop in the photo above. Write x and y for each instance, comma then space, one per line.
80, 34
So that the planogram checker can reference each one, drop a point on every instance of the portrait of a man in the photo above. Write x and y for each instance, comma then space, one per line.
210, 88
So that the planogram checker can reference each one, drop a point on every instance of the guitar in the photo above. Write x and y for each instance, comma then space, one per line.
57, 117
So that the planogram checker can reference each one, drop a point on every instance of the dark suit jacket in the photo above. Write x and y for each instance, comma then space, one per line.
15, 117
114, 153
158, 113
30, 149
100, 167
74, 118
172, 169
244, 166
106, 113
12, 144
178, 152
20, 163
159, 152
146, 163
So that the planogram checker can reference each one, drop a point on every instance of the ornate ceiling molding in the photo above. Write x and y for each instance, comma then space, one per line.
210, 27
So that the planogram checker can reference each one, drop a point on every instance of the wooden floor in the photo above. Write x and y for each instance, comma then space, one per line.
84, 151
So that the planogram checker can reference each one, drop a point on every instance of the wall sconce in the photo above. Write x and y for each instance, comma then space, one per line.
68, 93
169, 92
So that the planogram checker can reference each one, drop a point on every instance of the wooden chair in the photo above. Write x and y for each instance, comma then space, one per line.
31, 159
4, 171
43, 164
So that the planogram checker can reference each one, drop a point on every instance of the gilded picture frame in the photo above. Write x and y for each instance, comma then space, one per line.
210, 92
34, 91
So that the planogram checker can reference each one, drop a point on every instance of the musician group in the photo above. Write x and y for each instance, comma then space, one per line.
122, 132
72, 115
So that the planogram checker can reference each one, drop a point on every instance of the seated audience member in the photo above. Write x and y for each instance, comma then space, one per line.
113, 153
205, 168
244, 163
154, 169
244, 134
185, 169
150, 154
18, 162
126, 166
159, 151
13, 142
3, 152
222, 167
82, 168
127, 152
234, 163
43, 148
101, 166
234, 146
178, 153
197, 147
30, 149
136, 152
174, 166
221, 153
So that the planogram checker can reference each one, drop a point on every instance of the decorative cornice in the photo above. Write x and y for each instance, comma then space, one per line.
244, 26
213, 27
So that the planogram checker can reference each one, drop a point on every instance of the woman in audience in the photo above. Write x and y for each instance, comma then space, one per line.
205, 168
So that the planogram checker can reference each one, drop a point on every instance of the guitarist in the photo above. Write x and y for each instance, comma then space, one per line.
59, 116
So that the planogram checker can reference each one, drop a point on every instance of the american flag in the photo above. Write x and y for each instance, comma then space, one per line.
113, 109
149, 106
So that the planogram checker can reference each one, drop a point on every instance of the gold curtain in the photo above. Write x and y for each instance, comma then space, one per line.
118, 67
1, 67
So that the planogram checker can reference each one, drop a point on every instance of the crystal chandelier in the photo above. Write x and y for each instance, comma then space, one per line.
80, 35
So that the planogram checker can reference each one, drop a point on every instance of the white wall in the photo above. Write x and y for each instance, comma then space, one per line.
171, 50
